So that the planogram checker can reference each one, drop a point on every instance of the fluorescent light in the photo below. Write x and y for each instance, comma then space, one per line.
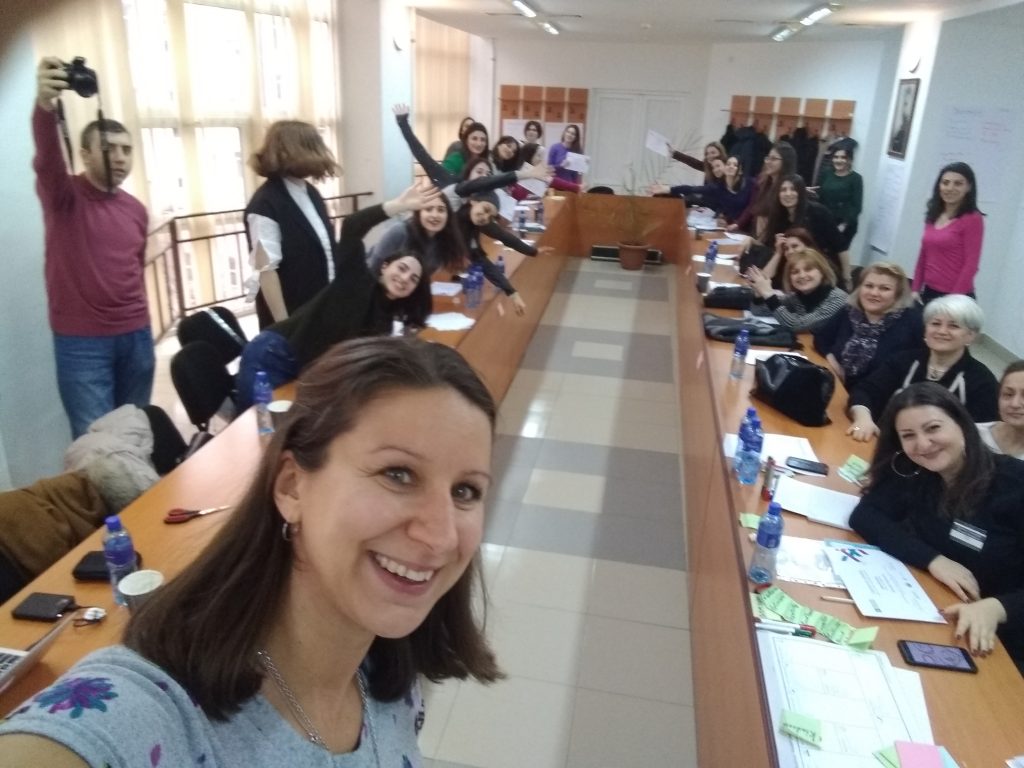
782, 34
524, 9
816, 15
551, 29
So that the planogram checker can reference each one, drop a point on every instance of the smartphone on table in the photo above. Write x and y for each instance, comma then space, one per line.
936, 656
804, 465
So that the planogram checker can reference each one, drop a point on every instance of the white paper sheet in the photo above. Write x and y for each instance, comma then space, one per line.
804, 561
506, 205
533, 186
881, 585
849, 691
656, 143
450, 321
779, 447
441, 288
763, 354
822, 505
576, 162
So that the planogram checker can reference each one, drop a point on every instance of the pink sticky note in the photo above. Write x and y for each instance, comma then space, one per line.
918, 755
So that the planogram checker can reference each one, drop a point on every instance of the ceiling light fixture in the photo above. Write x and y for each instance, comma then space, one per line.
524, 9
817, 15
782, 34
551, 29
790, 28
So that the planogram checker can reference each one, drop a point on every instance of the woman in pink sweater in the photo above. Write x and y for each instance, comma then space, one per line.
953, 231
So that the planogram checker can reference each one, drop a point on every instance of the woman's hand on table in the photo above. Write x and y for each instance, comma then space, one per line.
518, 304
978, 621
956, 577
862, 427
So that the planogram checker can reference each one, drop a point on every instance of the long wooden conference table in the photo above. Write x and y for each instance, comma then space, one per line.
980, 718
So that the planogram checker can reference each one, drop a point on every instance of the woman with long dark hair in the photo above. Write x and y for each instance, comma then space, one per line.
842, 192
727, 194
474, 144
456, 145
505, 154
953, 233
1007, 434
939, 500
430, 231
779, 162
713, 150
290, 236
792, 207
346, 573
533, 132
557, 154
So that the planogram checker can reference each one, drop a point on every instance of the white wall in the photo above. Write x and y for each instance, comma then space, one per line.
978, 62
860, 71
483, 91
33, 428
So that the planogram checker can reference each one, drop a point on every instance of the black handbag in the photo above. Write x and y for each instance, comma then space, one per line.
796, 387
720, 328
729, 297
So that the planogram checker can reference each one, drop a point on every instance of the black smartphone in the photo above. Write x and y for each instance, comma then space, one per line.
43, 606
936, 656
93, 566
807, 466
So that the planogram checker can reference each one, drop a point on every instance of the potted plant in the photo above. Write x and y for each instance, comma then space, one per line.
634, 223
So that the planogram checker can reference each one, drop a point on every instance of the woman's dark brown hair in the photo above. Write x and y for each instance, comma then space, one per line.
448, 243
203, 627
294, 148
959, 498
414, 309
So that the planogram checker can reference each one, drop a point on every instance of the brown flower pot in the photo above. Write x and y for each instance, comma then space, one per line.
632, 257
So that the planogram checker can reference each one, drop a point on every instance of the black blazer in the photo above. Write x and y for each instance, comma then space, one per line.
907, 333
303, 269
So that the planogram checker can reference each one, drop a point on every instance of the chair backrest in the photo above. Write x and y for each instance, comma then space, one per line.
168, 446
218, 327
202, 381
601, 190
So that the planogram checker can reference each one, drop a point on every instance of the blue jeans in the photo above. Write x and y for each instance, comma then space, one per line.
96, 374
270, 352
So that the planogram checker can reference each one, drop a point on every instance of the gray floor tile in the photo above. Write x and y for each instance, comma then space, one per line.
653, 288
500, 520
428, 763
510, 482
610, 537
647, 357
514, 450
643, 498
606, 460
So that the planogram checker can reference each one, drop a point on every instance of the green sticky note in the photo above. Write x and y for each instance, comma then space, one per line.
801, 727
750, 520
888, 757
862, 638
854, 469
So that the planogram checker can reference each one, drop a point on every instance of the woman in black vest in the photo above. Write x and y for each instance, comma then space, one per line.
291, 239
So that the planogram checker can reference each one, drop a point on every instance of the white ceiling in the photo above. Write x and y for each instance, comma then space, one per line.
674, 21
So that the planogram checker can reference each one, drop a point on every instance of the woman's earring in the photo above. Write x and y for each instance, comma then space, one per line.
892, 464
289, 530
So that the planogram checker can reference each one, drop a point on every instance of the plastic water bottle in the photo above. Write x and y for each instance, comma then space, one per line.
710, 256
522, 221
500, 264
750, 458
739, 354
539, 215
472, 286
741, 436
119, 553
262, 394
769, 536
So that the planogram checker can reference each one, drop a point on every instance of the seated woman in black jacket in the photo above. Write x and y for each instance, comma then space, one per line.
881, 319
791, 207
356, 303
939, 500
951, 323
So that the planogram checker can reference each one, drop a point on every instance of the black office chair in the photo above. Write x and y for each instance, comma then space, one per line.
169, 448
218, 327
601, 190
203, 383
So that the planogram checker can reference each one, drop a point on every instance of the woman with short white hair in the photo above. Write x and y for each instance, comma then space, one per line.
951, 323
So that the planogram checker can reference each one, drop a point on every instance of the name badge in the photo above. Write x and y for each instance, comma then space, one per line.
969, 535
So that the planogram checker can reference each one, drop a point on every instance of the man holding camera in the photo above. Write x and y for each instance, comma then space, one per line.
95, 249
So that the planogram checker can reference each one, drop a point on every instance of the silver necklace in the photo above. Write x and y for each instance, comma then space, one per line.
300, 714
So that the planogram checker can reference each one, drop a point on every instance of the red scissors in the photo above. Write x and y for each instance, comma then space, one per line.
179, 515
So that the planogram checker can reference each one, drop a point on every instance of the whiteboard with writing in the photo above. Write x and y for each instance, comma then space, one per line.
983, 138
888, 199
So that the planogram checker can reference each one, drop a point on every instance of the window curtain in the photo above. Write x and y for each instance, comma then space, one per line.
442, 84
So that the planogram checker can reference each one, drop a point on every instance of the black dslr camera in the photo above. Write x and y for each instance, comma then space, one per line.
81, 79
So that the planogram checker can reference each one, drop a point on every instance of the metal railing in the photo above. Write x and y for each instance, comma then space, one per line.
202, 259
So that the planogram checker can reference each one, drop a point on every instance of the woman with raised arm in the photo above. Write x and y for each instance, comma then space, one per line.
1007, 434
939, 500
557, 154
810, 296
358, 302
880, 319
728, 194
299, 634
290, 236
953, 233
475, 205
713, 150
474, 144
951, 323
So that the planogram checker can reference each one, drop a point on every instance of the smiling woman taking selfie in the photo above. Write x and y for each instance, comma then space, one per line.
344, 575
939, 500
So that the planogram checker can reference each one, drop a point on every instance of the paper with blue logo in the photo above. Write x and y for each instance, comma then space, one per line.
880, 585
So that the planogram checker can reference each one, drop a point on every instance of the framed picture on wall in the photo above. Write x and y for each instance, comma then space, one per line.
903, 116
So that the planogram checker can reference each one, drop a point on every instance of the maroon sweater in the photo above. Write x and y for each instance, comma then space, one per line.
95, 245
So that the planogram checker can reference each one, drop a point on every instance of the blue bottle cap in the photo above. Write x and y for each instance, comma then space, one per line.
113, 523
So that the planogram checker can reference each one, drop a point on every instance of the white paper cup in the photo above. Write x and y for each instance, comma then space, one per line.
703, 279
138, 586
278, 410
